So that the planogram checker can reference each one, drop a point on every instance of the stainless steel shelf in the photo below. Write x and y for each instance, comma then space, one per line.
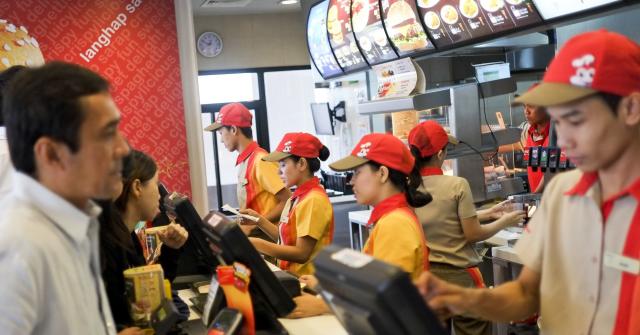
503, 136
428, 100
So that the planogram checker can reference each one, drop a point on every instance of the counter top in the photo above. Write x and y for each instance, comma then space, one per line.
360, 217
342, 198
506, 253
503, 237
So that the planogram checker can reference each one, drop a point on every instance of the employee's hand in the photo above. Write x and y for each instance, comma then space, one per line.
247, 222
443, 298
310, 280
308, 305
498, 210
131, 331
174, 236
514, 218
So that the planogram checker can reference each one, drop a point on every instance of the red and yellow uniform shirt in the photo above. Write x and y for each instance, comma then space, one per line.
307, 213
258, 181
535, 139
397, 237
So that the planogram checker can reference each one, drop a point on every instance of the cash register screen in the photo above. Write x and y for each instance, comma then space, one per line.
372, 297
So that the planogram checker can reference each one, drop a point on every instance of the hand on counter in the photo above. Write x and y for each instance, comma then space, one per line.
131, 331
174, 236
310, 280
308, 305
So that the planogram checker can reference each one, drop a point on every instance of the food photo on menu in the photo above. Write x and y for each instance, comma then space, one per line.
369, 31
403, 26
342, 39
318, 41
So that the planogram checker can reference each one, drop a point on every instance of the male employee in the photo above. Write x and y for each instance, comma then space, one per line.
62, 128
259, 185
537, 134
581, 251
6, 169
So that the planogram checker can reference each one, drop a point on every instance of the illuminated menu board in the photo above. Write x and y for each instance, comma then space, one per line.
367, 25
403, 26
550, 9
341, 37
454, 21
318, 41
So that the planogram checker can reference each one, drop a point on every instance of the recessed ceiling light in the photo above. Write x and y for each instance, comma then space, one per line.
288, 2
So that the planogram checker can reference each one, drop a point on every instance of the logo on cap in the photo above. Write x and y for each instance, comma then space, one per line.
364, 149
220, 116
287, 147
584, 71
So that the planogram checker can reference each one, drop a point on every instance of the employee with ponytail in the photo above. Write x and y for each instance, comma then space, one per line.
385, 178
450, 221
306, 223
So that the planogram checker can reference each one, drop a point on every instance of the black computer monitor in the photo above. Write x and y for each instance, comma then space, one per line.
322, 118
197, 257
270, 299
372, 297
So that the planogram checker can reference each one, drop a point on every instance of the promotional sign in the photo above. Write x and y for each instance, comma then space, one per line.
134, 45
403, 26
367, 25
341, 37
454, 21
318, 41
551, 9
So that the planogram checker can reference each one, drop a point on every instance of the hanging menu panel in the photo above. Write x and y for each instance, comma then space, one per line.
341, 37
367, 25
551, 9
318, 41
403, 26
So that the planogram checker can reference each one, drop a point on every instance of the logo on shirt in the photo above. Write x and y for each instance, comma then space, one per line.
364, 149
287, 146
584, 71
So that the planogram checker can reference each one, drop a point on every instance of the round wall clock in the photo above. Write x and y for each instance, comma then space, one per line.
209, 44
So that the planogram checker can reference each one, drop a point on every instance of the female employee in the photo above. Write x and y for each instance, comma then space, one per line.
306, 223
384, 177
450, 221
137, 201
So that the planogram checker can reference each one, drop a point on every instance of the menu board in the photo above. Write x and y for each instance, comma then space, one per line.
454, 21
367, 26
341, 38
403, 26
318, 41
555, 8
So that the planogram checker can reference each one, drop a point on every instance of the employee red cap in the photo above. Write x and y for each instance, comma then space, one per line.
598, 61
383, 149
429, 137
233, 114
297, 144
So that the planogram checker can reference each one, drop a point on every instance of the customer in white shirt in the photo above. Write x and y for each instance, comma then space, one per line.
62, 128
6, 169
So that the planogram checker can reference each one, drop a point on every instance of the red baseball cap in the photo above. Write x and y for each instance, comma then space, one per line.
429, 137
298, 144
598, 61
384, 149
233, 114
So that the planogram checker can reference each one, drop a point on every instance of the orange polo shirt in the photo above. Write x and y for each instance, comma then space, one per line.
307, 213
258, 181
535, 139
397, 237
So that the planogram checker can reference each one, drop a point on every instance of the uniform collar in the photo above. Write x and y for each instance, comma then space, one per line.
247, 152
533, 130
68, 218
431, 171
306, 187
589, 179
387, 205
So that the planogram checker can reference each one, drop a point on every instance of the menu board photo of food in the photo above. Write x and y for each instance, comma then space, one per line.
404, 27
318, 41
455, 21
341, 37
367, 26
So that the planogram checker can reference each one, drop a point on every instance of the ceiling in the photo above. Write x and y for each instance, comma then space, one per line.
242, 7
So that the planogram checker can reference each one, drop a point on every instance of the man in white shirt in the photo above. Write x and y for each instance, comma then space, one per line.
62, 128
6, 169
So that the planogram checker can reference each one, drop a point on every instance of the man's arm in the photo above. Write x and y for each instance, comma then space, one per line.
274, 214
510, 301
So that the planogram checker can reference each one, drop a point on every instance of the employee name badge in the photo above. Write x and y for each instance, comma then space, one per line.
244, 181
622, 263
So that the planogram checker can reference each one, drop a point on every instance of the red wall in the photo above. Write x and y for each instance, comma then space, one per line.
141, 62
